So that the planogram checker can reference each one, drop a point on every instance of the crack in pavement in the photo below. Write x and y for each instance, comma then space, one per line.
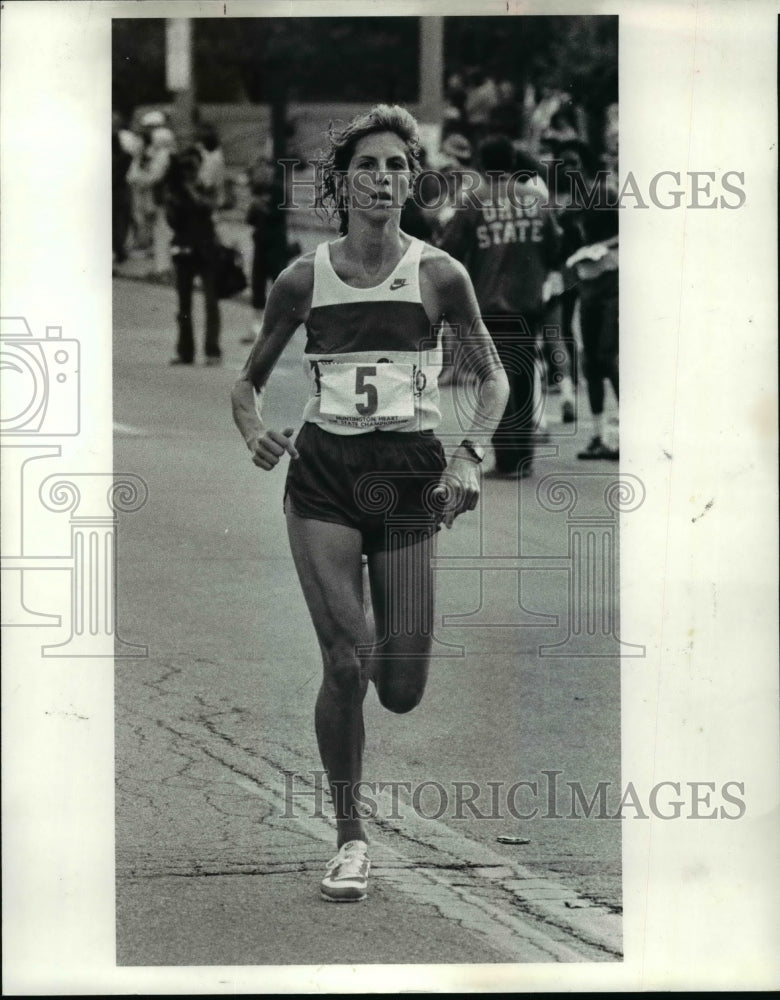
520, 914
156, 683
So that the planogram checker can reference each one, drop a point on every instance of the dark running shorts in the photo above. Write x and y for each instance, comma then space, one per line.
380, 483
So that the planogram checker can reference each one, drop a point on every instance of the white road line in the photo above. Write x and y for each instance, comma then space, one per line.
520, 914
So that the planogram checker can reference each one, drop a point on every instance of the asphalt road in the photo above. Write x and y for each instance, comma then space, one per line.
220, 837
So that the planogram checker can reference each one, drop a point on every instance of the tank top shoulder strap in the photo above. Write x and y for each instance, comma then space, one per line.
325, 288
407, 273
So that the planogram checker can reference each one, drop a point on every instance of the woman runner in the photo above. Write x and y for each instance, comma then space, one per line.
372, 303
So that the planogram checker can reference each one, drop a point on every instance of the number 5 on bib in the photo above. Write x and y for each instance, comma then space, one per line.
371, 404
371, 393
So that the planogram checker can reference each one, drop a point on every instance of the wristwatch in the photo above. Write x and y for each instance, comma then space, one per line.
476, 451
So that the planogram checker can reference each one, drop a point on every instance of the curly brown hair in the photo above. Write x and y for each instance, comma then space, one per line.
332, 165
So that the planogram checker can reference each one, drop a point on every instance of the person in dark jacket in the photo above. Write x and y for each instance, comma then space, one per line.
269, 236
189, 208
590, 221
507, 238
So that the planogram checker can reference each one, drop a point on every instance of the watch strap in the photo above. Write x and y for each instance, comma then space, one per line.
475, 450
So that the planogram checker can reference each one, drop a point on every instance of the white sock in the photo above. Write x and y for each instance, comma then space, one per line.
598, 424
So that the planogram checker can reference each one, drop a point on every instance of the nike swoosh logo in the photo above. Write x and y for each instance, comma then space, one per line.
398, 283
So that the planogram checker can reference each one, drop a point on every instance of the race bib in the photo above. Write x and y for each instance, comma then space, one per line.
366, 395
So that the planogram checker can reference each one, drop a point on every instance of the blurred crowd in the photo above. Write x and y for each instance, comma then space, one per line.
141, 157
560, 249
542, 151
166, 197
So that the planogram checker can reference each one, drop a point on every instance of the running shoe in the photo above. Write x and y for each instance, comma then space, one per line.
597, 450
346, 880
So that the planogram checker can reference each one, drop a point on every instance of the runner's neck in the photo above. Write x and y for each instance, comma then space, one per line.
370, 252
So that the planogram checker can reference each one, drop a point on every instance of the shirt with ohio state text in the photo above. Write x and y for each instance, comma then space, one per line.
508, 240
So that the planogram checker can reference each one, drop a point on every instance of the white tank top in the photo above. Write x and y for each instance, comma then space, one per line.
372, 356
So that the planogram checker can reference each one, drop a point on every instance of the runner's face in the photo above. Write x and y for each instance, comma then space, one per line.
378, 175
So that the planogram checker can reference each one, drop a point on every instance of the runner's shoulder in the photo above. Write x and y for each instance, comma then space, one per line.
441, 269
293, 288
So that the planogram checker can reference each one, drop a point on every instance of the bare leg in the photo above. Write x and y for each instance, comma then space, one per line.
368, 611
329, 564
328, 560
402, 597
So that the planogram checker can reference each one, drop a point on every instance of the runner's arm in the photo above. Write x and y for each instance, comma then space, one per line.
477, 355
287, 307
476, 350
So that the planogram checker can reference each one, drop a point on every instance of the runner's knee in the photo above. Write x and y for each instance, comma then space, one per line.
342, 670
399, 700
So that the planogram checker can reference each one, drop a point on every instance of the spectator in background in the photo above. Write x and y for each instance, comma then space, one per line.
563, 126
611, 135
556, 341
130, 143
415, 219
530, 169
591, 227
189, 208
454, 110
508, 241
455, 161
482, 97
212, 171
539, 113
558, 348
121, 204
270, 252
140, 189
560, 165
146, 176
505, 117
